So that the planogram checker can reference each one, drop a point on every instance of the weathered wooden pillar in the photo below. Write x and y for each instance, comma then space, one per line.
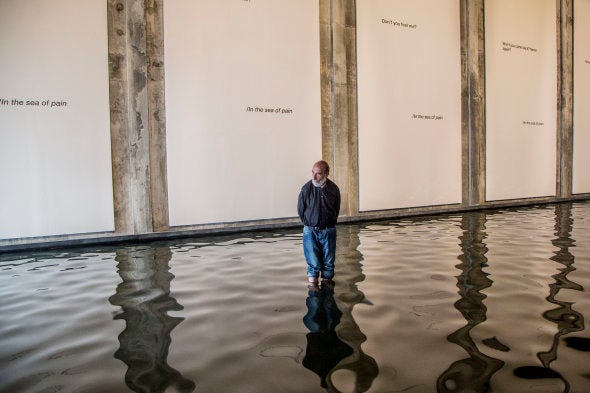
473, 101
157, 114
137, 141
565, 97
339, 97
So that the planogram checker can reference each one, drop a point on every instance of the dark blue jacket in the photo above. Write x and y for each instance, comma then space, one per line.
319, 207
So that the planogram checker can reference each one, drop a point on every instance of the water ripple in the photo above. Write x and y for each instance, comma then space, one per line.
481, 301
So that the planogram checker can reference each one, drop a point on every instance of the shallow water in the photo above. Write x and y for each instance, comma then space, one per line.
482, 301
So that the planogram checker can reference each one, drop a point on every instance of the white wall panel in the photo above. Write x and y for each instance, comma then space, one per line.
409, 103
242, 106
581, 174
54, 118
521, 101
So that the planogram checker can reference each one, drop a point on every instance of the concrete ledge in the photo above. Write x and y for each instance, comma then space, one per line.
196, 231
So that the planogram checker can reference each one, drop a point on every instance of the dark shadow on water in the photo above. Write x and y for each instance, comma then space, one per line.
324, 348
472, 374
348, 295
566, 319
578, 343
334, 339
144, 297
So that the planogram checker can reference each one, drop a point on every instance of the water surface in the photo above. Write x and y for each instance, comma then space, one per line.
482, 301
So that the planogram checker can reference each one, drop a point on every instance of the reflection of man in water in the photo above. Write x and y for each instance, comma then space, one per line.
324, 349
318, 207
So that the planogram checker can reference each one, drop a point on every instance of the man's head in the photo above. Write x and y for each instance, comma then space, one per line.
319, 173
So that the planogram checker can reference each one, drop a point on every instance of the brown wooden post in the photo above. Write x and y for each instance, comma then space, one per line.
339, 97
565, 97
473, 101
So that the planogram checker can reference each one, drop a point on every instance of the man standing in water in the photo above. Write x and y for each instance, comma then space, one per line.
318, 207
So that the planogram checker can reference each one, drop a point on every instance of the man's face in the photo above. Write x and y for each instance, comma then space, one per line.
318, 174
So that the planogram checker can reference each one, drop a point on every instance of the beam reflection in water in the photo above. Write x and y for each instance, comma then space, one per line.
566, 319
474, 373
144, 297
357, 372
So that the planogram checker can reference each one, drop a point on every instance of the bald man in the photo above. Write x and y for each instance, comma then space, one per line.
318, 207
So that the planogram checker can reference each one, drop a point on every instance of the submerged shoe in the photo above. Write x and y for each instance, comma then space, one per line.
328, 282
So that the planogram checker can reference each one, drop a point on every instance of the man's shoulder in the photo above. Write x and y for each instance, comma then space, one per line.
333, 185
307, 185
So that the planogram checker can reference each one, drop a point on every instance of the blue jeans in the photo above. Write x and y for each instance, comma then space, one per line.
319, 248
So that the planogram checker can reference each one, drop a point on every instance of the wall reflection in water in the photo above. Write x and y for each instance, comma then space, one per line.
474, 373
144, 297
471, 374
334, 342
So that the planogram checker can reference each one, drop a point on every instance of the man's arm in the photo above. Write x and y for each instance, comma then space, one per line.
301, 205
337, 202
